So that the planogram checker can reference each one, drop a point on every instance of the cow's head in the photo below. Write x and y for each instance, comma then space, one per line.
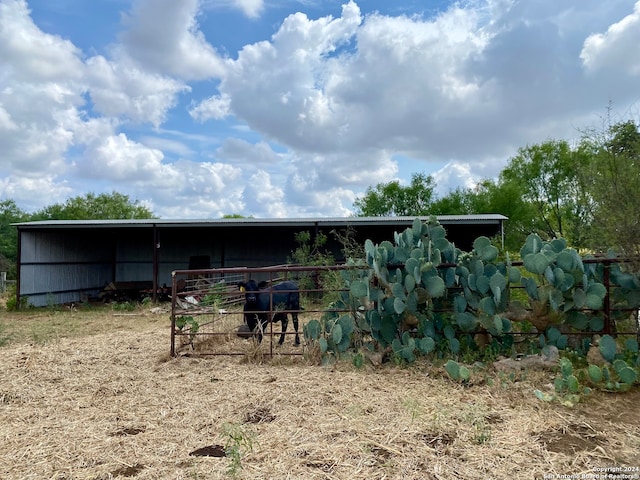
250, 290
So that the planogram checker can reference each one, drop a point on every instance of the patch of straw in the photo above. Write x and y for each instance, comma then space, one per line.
115, 405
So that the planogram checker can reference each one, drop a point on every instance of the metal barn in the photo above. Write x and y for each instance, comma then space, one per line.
63, 261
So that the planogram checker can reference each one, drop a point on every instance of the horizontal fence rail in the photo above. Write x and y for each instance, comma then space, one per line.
609, 309
208, 313
207, 307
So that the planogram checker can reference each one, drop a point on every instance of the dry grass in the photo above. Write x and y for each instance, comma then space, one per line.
105, 400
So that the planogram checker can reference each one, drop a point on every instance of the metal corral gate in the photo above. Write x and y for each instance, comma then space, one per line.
207, 306
207, 314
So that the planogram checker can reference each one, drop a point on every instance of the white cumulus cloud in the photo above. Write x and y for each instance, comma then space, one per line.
164, 36
30, 54
617, 48
251, 8
119, 88
311, 108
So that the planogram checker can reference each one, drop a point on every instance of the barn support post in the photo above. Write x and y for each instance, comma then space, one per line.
114, 254
156, 254
223, 245
18, 268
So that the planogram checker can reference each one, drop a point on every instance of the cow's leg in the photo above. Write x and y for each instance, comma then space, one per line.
294, 316
284, 318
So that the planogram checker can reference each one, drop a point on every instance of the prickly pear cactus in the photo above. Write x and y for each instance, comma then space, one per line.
422, 295
624, 293
485, 290
406, 280
412, 281
564, 287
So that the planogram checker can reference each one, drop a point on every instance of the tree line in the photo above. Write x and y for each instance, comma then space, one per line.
113, 206
587, 193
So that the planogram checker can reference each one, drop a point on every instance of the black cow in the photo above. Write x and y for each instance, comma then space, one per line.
259, 299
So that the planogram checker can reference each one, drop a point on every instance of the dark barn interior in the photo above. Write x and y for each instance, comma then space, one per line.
71, 261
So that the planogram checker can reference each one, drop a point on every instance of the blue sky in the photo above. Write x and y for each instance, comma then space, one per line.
200, 108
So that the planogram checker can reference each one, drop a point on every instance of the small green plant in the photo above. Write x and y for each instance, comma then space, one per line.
210, 300
567, 382
311, 251
358, 360
623, 367
457, 372
238, 442
123, 306
619, 374
412, 406
214, 296
193, 324
555, 338
4, 337
620, 378
52, 303
12, 303
568, 389
350, 247
475, 416
332, 333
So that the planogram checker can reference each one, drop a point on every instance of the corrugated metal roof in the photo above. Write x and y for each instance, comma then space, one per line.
489, 218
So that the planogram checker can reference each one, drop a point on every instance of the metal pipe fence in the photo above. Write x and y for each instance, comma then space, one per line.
208, 316
207, 307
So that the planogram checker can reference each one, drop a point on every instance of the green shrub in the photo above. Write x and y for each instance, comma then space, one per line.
12, 303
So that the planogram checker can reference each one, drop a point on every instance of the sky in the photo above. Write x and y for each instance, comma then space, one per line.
292, 108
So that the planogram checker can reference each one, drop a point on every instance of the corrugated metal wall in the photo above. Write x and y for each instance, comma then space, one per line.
133, 260
72, 265
58, 268
225, 247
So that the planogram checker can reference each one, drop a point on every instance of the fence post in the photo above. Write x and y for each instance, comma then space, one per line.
174, 302
3, 282
608, 327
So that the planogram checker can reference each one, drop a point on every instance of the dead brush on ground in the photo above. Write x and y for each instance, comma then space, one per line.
220, 334
113, 404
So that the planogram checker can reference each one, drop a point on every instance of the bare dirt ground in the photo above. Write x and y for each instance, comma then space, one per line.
96, 396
